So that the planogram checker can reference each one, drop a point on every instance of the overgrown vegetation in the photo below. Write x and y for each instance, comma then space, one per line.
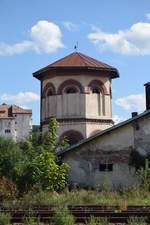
97, 220
63, 216
31, 164
5, 219
137, 221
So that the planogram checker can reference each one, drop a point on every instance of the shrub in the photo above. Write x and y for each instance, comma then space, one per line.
5, 219
8, 189
47, 174
63, 217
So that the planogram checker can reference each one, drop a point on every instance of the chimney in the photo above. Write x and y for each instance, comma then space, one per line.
147, 92
134, 114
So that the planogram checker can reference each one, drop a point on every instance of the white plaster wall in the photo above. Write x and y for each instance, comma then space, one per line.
23, 126
119, 139
90, 106
82, 173
84, 160
91, 127
64, 106
142, 135
97, 106
63, 127
7, 124
83, 79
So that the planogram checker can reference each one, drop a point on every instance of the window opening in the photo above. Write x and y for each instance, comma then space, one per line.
71, 90
7, 131
106, 167
95, 90
49, 93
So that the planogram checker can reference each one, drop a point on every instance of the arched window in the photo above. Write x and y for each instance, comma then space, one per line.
95, 90
70, 87
71, 90
49, 92
97, 87
72, 136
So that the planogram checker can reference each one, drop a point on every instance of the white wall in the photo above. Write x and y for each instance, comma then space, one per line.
23, 126
79, 105
7, 124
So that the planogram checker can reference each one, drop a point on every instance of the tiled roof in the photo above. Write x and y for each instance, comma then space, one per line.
7, 111
78, 60
16, 109
4, 111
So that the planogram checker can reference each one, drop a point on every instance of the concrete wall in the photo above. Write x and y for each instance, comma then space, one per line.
113, 147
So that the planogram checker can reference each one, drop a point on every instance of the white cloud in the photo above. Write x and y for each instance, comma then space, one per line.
18, 48
148, 16
20, 98
132, 102
70, 26
44, 37
118, 119
133, 41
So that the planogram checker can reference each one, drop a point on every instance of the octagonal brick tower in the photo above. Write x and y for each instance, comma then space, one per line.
77, 91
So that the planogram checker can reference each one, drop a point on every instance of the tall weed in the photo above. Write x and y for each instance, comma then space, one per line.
63, 217
31, 221
97, 221
5, 219
137, 221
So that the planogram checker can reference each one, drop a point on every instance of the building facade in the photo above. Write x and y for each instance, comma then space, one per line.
114, 153
77, 91
15, 122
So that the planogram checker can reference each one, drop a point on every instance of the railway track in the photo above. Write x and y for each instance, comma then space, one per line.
82, 213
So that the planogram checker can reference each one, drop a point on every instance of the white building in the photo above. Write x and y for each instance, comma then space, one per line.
77, 91
15, 122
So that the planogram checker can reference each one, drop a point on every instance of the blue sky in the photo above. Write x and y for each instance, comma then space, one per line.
35, 33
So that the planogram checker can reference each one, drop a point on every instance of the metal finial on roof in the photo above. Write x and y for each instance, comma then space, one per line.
76, 47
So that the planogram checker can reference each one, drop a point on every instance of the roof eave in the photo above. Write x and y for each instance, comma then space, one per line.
40, 73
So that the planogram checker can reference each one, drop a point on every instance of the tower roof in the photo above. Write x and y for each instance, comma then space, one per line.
76, 61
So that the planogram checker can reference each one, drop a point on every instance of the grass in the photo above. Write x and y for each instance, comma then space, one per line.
63, 216
137, 221
121, 197
96, 221
4, 219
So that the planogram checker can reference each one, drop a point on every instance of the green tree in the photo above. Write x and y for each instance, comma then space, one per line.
50, 137
47, 174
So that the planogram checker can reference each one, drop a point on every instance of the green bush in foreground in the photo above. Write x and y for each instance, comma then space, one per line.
5, 219
48, 174
63, 217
